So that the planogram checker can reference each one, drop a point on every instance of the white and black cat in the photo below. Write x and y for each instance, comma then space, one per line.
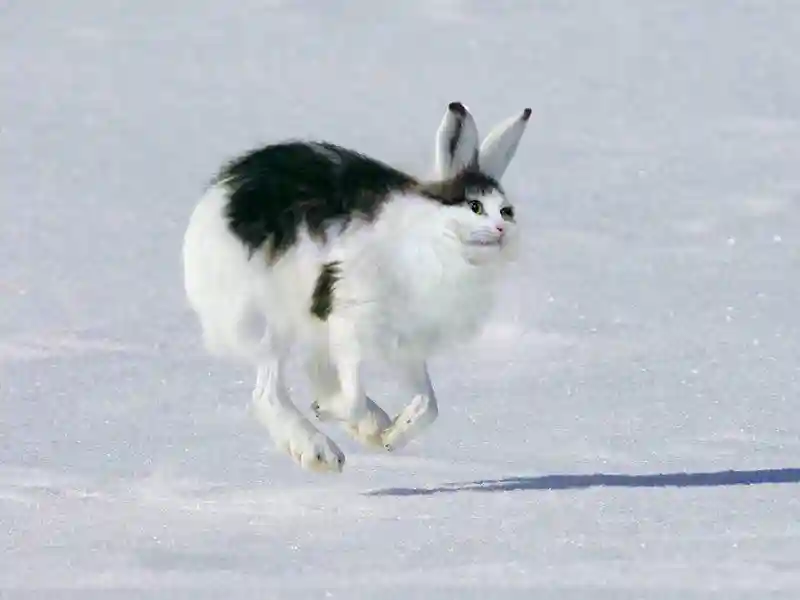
308, 245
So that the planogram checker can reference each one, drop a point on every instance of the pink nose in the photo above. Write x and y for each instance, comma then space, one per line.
500, 228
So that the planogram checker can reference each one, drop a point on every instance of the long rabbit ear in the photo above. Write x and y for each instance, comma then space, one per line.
456, 141
500, 145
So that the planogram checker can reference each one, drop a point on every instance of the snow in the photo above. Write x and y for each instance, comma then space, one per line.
624, 429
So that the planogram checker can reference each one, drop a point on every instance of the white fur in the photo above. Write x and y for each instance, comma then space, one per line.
457, 121
500, 145
494, 154
418, 279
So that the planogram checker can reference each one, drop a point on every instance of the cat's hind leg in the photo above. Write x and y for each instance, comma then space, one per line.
289, 429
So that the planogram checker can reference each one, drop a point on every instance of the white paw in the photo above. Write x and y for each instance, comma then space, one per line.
310, 448
336, 408
324, 412
367, 430
411, 421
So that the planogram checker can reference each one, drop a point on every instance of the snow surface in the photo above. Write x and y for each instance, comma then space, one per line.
595, 443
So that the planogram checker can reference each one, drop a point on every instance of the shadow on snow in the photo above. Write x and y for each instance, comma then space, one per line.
575, 482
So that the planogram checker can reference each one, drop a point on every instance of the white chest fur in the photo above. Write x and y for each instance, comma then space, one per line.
408, 287
446, 304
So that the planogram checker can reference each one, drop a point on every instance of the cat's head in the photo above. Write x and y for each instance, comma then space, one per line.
478, 215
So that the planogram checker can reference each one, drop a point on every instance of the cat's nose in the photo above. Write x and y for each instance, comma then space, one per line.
500, 228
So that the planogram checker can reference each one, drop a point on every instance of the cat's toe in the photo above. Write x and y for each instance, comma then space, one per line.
317, 453
320, 412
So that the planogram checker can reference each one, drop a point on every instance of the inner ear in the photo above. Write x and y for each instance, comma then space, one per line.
456, 142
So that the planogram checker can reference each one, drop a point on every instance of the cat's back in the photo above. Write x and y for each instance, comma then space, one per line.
276, 191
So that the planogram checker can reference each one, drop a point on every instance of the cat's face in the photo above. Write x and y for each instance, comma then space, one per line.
479, 218
485, 226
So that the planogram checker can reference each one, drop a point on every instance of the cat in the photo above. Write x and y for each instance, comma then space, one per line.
310, 244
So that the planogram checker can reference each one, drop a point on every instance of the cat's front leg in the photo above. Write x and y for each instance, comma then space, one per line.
331, 404
419, 413
343, 398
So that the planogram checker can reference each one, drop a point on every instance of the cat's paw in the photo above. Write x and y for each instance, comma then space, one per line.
340, 408
311, 449
322, 412
368, 430
318, 453
412, 420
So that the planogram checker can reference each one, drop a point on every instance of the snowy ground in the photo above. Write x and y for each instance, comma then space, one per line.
595, 443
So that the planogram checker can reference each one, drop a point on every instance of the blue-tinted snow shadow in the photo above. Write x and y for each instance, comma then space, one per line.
575, 482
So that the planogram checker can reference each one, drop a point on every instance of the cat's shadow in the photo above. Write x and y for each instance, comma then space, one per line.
577, 481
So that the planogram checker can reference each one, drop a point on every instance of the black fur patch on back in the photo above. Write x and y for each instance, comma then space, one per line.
322, 297
277, 189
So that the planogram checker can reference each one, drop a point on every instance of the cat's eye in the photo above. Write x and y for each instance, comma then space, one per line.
507, 213
476, 206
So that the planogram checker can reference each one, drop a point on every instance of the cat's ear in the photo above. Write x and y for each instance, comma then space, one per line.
501, 143
456, 141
